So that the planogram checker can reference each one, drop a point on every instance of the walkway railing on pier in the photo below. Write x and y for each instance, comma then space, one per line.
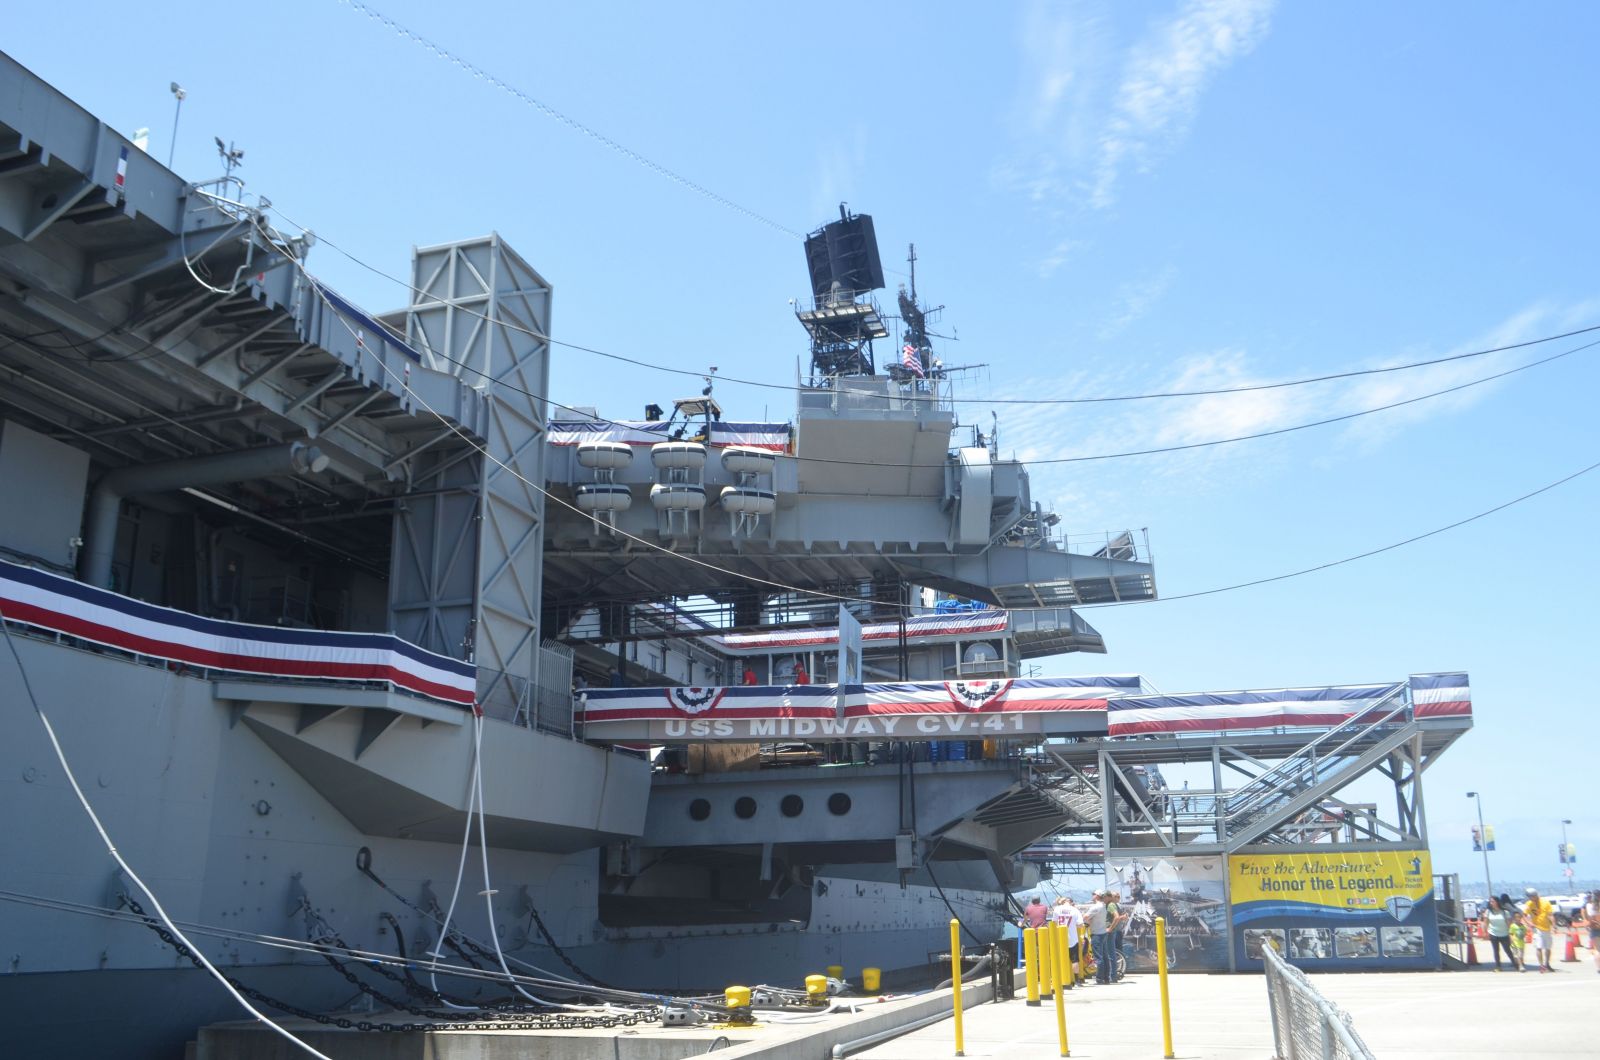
1306, 1025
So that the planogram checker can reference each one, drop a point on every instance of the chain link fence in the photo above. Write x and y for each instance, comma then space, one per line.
1306, 1025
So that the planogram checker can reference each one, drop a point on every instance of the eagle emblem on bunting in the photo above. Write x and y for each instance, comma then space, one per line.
695, 700
977, 695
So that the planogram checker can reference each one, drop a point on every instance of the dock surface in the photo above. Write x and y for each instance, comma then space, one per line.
1473, 1013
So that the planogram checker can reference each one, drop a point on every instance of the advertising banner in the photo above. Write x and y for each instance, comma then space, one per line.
1188, 893
1334, 909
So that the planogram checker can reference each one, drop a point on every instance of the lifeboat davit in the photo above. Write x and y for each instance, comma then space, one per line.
690, 455
678, 497
605, 456
745, 500
604, 497
745, 460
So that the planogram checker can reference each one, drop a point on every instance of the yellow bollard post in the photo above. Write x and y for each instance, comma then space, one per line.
1030, 956
1058, 943
1047, 979
955, 979
1161, 969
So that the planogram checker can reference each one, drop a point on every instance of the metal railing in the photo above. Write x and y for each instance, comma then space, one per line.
1306, 1025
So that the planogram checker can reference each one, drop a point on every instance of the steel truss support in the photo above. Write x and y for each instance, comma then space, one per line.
468, 560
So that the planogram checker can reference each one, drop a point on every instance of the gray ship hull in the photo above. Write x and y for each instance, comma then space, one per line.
231, 836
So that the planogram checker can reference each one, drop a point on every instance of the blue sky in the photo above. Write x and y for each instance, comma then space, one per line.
1109, 198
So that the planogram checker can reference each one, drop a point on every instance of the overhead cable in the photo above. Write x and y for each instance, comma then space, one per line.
572, 123
1087, 458
753, 579
1352, 373
1375, 551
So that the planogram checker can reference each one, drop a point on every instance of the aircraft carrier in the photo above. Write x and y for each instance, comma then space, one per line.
347, 675
300, 586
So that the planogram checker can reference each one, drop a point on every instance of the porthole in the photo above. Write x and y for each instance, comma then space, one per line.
838, 804
745, 807
699, 809
792, 805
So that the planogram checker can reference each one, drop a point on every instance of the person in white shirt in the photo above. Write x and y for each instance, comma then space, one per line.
1070, 920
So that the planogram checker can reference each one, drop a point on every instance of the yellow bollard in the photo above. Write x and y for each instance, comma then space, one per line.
955, 979
817, 989
1047, 979
870, 979
1058, 943
1083, 952
1161, 968
1030, 956
835, 971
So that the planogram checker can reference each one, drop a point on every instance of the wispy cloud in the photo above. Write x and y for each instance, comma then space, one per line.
1164, 78
1104, 488
1134, 300
1088, 111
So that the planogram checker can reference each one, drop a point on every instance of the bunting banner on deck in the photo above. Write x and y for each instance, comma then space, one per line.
773, 436
51, 602
1431, 696
931, 710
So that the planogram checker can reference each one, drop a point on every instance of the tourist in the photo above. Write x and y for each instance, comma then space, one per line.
749, 677
800, 675
1519, 939
1542, 923
1117, 925
1035, 914
1591, 912
1098, 921
1069, 920
1497, 922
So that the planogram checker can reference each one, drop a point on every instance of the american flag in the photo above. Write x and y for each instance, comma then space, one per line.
909, 358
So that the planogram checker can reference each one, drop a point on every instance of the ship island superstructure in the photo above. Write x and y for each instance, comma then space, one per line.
744, 698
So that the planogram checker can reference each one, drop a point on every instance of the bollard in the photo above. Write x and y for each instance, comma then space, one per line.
870, 979
1083, 952
1161, 969
1058, 943
955, 978
1030, 949
835, 971
1047, 977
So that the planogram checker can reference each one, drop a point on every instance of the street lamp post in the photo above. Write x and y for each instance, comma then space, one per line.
1483, 842
178, 93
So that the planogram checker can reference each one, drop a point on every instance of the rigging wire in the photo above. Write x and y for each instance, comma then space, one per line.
122, 863
1086, 458
1375, 551
572, 123
637, 362
754, 579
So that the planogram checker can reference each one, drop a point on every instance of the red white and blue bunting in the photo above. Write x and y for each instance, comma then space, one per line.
772, 436
61, 605
903, 711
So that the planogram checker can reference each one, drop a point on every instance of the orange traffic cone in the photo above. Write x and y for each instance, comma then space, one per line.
1572, 943
1472, 952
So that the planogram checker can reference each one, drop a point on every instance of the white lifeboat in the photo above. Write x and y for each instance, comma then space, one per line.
745, 460
605, 456
677, 496
746, 500
691, 455
604, 497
